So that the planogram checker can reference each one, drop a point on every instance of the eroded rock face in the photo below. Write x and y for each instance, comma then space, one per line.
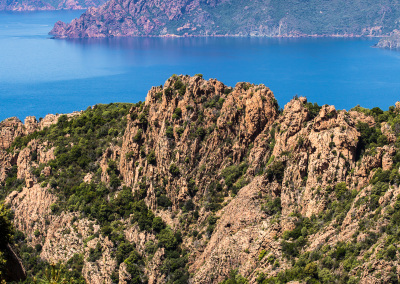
7, 160
62, 236
180, 143
31, 207
32, 156
10, 128
243, 114
241, 233
101, 270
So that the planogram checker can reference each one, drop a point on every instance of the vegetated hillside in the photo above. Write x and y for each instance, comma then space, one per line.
274, 18
390, 42
41, 5
204, 183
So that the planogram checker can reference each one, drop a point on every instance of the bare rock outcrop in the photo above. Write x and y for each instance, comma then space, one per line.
241, 233
241, 114
10, 128
239, 182
31, 208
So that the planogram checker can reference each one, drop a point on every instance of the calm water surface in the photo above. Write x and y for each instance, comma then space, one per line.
39, 75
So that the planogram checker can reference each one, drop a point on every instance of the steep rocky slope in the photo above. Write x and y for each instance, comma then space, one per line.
43, 5
234, 18
203, 182
391, 42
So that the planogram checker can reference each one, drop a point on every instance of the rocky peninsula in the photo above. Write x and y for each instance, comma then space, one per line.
391, 42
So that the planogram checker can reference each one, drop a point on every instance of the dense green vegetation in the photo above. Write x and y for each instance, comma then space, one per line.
308, 17
6, 237
372, 137
80, 142
235, 278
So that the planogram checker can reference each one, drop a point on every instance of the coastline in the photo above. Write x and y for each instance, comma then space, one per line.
349, 36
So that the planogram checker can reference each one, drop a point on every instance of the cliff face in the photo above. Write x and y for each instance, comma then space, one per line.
203, 179
234, 18
43, 5
391, 42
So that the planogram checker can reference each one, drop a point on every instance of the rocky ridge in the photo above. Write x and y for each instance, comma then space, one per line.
269, 192
233, 18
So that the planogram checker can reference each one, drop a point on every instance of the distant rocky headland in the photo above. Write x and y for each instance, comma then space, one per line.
391, 42
44, 5
338, 18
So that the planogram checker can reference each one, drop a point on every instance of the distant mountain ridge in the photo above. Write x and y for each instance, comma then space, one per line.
42, 5
272, 18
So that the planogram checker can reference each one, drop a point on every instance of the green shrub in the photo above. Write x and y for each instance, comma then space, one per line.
158, 224
381, 176
188, 206
151, 157
143, 216
138, 136
174, 170
180, 131
95, 253
200, 132
168, 92
235, 278
273, 206
368, 136
180, 87
135, 267
177, 113
164, 201
55, 208
123, 251
6, 228
167, 239
143, 119
262, 254
313, 109
169, 132
276, 171
341, 190
232, 173
192, 187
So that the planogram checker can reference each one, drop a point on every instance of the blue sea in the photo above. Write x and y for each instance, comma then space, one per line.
40, 75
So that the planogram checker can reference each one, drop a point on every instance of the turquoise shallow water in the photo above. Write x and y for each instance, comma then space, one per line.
40, 75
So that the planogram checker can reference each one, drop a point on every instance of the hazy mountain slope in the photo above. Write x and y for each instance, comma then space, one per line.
234, 17
203, 182
34, 5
